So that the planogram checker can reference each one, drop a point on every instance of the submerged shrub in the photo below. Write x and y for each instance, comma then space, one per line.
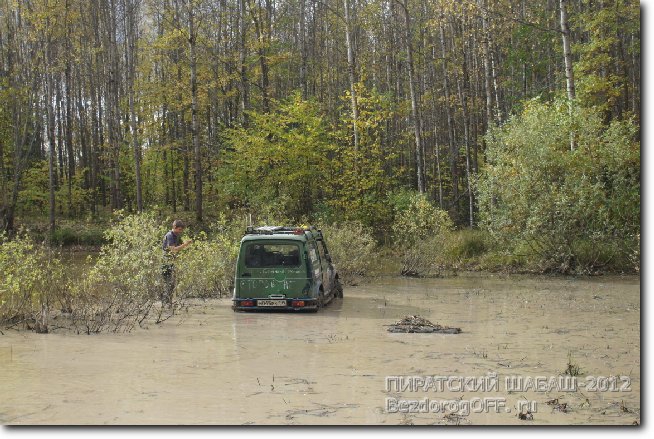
120, 289
419, 230
31, 282
207, 267
353, 250
421, 258
131, 261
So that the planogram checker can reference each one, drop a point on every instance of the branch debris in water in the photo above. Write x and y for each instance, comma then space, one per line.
417, 324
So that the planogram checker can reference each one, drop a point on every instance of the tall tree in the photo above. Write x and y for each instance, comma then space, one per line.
242, 58
49, 86
132, 14
567, 56
567, 51
351, 71
415, 110
192, 41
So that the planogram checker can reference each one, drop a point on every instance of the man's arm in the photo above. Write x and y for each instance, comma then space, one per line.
176, 248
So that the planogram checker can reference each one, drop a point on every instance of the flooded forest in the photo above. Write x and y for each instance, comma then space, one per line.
474, 164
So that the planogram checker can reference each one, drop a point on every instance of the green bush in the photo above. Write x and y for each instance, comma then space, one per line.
416, 218
565, 205
419, 231
64, 236
207, 267
120, 289
31, 282
353, 250
421, 259
80, 235
601, 256
260, 166
465, 245
502, 261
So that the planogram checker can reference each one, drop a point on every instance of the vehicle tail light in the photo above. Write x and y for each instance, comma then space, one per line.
297, 303
298, 232
247, 302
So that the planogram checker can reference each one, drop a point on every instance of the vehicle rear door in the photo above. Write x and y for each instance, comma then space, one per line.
272, 268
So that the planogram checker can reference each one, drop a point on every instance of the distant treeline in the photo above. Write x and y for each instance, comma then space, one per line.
311, 108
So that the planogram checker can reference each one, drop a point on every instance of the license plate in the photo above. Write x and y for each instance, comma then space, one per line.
271, 302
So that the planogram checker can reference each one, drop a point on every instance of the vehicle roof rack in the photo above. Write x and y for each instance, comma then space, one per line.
288, 230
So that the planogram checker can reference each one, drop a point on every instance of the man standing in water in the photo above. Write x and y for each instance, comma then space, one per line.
172, 244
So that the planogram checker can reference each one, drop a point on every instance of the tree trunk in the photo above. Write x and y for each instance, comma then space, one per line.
303, 51
49, 92
567, 56
69, 116
194, 113
487, 69
261, 52
415, 111
351, 71
131, 37
51, 152
567, 52
454, 153
463, 98
244, 87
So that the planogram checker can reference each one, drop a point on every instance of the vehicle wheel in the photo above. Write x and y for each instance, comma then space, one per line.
320, 303
338, 289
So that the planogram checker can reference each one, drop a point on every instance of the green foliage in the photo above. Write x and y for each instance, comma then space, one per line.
32, 280
207, 267
34, 195
280, 159
78, 234
465, 245
73, 198
503, 260
358, 191
600, 255
289, 164
419, 230
133, 253
535, 190
120, 289
600, 70
416, 218
353, 250
421, 259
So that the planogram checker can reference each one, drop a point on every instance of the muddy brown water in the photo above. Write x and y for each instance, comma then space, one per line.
213, 366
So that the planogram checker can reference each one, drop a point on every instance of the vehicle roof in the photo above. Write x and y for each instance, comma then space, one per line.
275, 233
276, 237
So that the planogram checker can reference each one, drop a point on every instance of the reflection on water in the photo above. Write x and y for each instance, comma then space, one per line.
214, 366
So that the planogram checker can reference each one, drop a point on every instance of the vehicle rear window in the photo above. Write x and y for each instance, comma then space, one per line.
258, 255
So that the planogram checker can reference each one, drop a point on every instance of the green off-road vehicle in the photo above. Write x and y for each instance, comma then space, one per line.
284, 268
